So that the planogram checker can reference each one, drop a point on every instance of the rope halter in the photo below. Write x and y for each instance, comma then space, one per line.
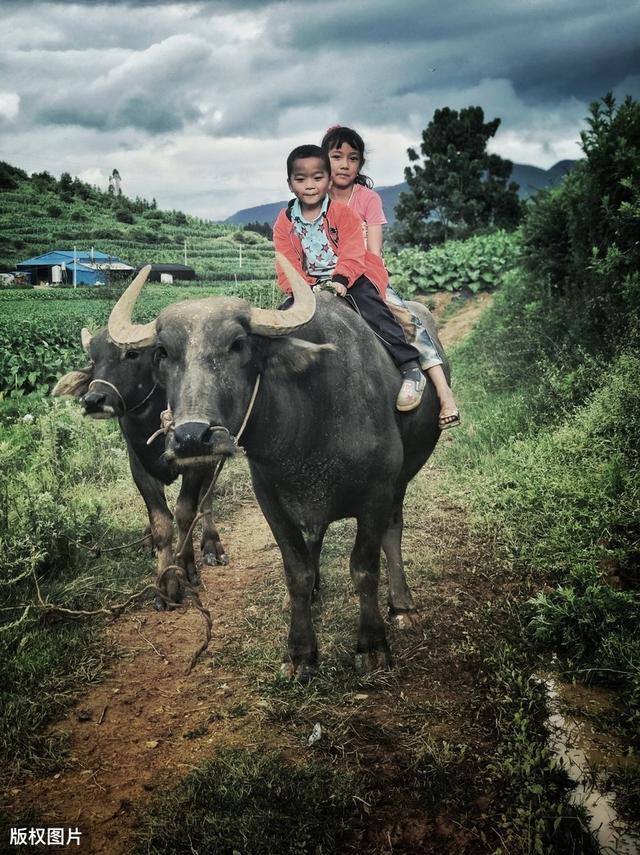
125, 409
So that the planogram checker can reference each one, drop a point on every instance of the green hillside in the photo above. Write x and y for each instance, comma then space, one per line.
39, 213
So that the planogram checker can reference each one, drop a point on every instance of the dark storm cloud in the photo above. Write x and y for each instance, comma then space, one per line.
182, 88
545, 49
134, 110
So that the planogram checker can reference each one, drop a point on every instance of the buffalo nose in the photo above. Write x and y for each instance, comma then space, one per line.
94, 401
191, 437
197, 439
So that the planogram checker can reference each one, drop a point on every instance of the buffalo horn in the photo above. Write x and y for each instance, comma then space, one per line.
272, 322
85, 338
121, 330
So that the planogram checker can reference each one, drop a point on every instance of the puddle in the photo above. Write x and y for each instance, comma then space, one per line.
583, 752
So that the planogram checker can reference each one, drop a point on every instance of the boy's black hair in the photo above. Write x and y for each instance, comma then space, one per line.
302, 151
336, 136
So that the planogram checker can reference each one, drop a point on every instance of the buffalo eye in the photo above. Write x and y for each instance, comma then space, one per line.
159, 354
132, 354
238, 345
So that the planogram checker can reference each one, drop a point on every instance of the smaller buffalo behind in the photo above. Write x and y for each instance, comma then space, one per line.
119, 384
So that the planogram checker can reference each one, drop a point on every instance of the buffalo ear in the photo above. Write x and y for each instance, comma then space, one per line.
293, 355
74, 383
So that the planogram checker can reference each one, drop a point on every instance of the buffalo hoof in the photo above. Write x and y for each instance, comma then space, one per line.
405, 620
163, 605
374, 660
169, 591
302, 673
193, 577
211, 559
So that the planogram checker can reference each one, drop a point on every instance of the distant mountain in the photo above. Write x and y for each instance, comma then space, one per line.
529, 178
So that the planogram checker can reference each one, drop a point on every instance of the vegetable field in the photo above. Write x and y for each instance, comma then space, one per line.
40, 331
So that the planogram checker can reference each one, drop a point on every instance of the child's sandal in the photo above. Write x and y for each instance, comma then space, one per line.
449, 421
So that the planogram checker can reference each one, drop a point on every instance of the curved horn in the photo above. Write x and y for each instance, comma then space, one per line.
121, 330
85, 338
272, 322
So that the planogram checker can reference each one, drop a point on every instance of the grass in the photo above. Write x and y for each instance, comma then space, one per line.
256, 802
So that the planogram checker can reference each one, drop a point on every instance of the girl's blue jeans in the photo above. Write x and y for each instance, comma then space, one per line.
421, 339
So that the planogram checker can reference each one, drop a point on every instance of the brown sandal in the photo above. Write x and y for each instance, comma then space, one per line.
450, 421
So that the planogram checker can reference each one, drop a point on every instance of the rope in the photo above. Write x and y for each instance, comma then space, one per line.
117, 391
250, 408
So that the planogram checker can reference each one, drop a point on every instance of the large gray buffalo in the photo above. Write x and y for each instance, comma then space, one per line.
321, 432
119, 383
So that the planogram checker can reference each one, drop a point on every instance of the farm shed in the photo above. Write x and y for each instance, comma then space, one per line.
56, 267
176, 271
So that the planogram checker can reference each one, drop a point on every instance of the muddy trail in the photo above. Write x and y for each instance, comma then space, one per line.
146, 725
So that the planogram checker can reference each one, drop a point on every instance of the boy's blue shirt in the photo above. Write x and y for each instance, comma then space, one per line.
320, 257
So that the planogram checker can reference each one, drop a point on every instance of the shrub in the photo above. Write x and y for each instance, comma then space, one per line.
580, 242
125, 216
477, 264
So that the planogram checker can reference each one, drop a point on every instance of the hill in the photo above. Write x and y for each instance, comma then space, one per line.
39, 213
529, 178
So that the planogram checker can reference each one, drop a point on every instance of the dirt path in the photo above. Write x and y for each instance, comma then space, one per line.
146, 725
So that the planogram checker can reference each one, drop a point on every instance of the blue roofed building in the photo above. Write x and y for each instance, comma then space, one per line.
58, 267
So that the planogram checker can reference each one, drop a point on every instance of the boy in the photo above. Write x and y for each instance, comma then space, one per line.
323, 241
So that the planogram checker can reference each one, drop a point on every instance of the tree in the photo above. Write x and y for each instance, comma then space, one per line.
263, 229
459, 189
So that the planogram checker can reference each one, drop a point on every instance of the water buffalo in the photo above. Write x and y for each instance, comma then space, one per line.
119, 383
323, 438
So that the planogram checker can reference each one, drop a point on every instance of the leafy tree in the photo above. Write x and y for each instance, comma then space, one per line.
580, 240
263, 229
10, 176
459, 188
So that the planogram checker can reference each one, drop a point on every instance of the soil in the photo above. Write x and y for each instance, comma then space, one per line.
147, 724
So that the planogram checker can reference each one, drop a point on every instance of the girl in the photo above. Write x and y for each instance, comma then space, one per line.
345, 148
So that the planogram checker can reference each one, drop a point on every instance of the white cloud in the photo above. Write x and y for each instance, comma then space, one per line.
9, 105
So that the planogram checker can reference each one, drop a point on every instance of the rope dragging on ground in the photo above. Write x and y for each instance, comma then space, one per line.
116, 610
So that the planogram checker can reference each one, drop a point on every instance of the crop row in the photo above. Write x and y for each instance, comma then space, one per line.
477, 264
40, 333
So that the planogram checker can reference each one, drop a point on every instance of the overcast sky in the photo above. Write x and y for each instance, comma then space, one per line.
199, 103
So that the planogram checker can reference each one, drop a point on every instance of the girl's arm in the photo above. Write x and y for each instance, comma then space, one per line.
374, 217
374, 239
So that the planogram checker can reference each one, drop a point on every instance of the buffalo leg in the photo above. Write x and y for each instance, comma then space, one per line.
402, 609
314, 546
302, 645
161, 527
210, 545
372, 650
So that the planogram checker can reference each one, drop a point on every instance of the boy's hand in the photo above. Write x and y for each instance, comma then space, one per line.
339, 288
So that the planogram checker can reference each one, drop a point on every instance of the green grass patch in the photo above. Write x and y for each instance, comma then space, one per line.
252, 801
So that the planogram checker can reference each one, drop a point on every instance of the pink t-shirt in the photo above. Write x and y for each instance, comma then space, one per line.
367, 204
